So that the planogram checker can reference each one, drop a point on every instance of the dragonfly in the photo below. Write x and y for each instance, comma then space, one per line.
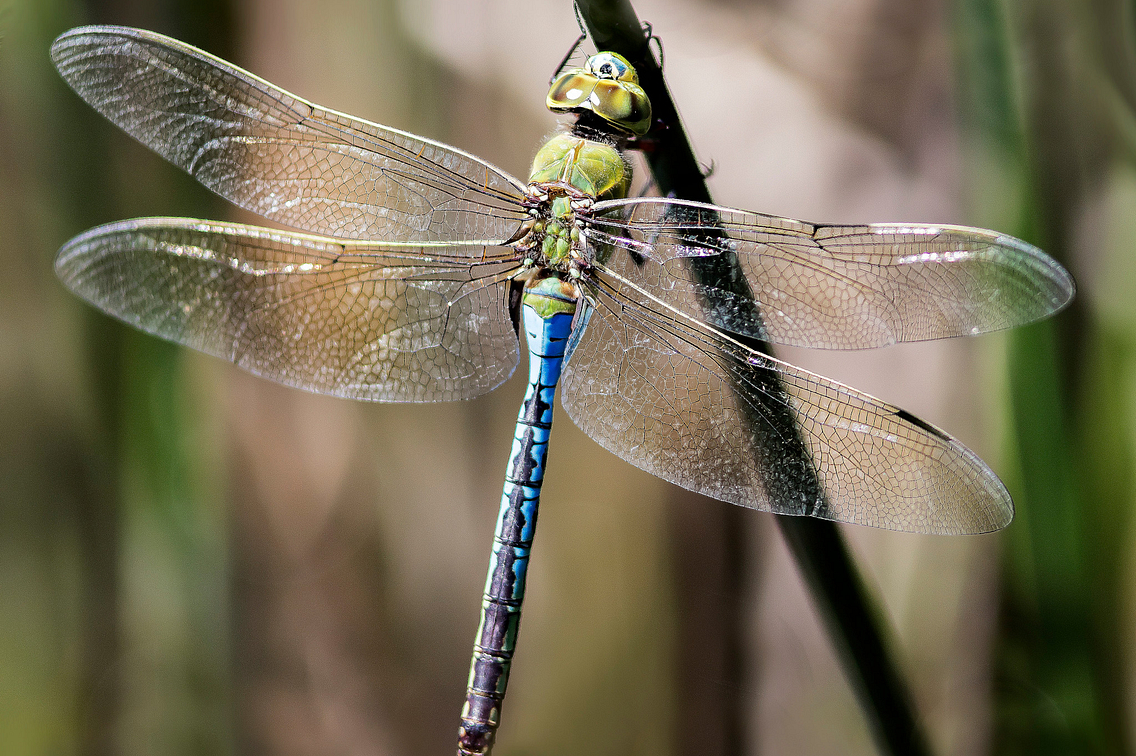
414, 267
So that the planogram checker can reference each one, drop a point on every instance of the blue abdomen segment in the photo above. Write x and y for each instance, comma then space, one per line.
512, 544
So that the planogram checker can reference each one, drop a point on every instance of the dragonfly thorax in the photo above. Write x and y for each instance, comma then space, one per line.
553, 235
592, 167
570, 172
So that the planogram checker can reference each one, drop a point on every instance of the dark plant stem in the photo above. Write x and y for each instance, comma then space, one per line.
822, 556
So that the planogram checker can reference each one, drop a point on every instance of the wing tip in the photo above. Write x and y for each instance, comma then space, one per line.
1062, 286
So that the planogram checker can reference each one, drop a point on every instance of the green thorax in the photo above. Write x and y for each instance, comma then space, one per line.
559, 233
571, 162
595, 168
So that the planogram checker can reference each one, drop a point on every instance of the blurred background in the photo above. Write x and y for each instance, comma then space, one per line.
196, 561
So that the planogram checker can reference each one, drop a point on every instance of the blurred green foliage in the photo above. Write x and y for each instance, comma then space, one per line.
114, 630
1047, 96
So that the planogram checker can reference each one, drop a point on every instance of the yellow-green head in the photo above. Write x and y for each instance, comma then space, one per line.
608, 86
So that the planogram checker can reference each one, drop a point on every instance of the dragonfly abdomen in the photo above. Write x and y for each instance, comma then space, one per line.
548, 313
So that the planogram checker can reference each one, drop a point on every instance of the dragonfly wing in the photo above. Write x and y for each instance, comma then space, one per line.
280, 156
687, 403
828, 286
342, 318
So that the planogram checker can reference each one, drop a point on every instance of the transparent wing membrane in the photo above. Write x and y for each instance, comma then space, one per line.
280, 156
399, 286
827, 286
342, 318
690, 405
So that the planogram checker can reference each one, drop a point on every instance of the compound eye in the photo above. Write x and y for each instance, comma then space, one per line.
607, 66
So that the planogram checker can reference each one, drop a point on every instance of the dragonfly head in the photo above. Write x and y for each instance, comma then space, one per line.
608, 86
